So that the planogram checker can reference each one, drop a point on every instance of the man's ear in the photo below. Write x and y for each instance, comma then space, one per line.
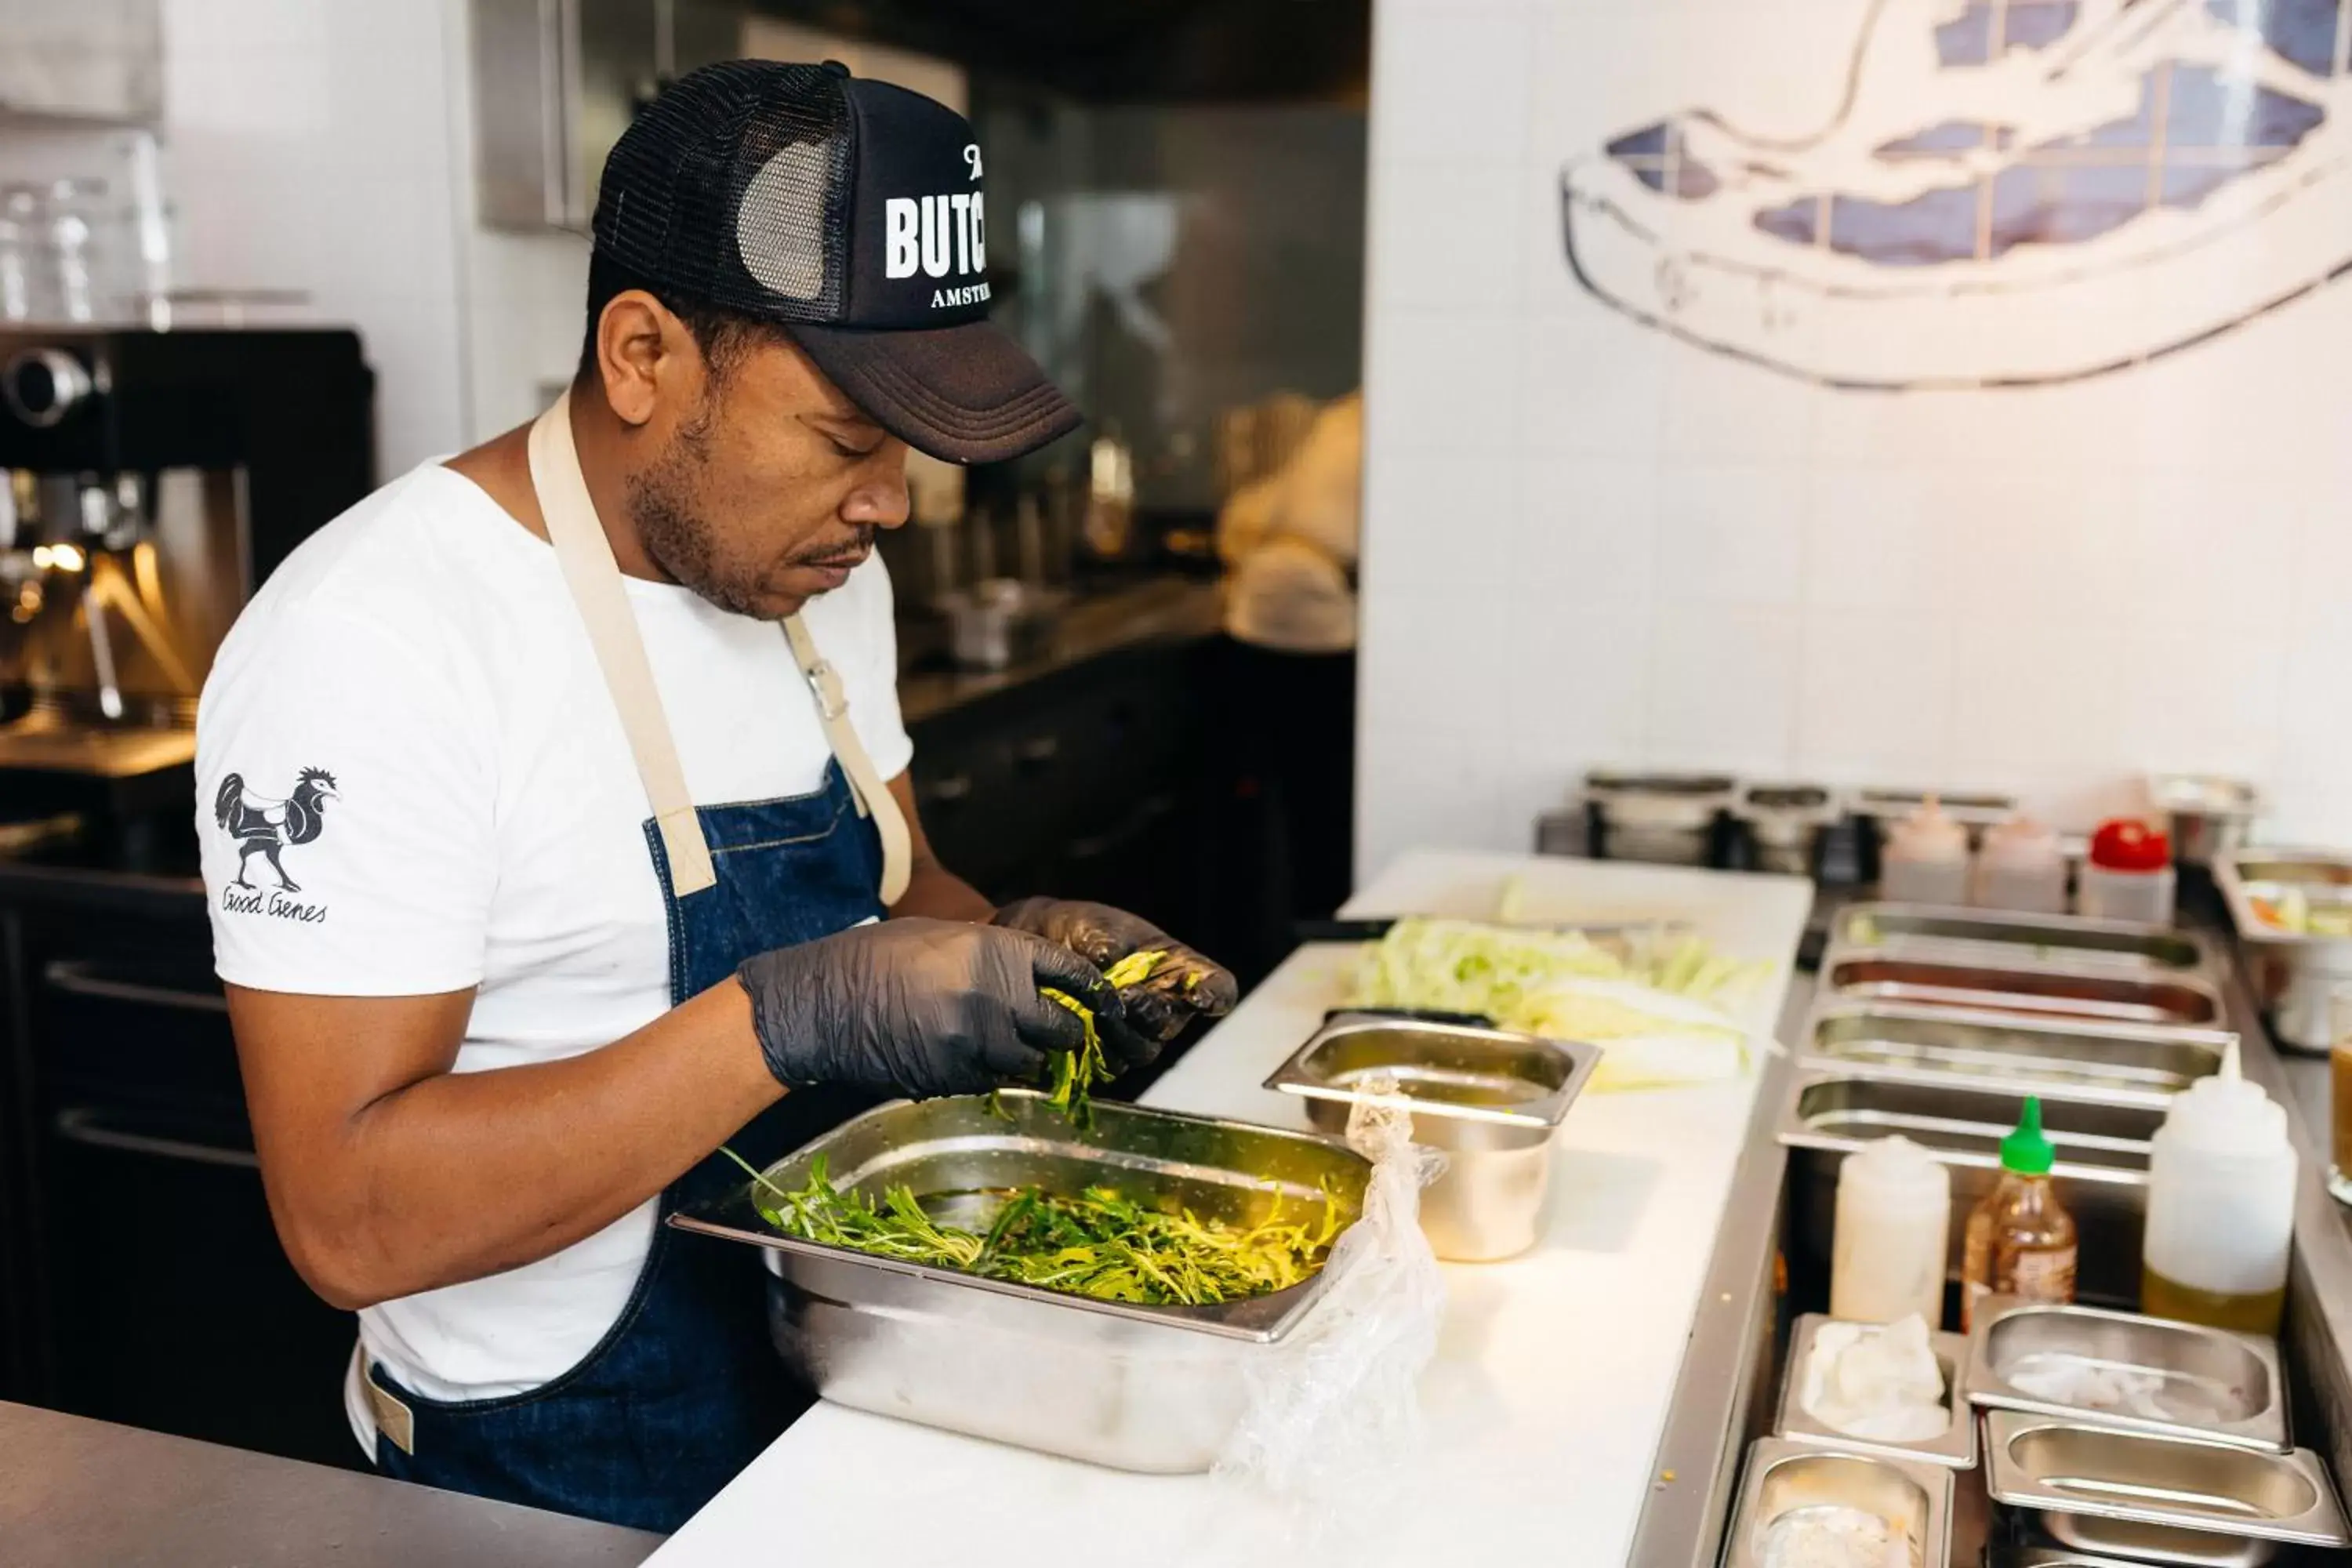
638, 341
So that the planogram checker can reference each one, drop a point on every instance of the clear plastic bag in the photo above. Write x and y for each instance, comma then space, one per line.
1337, 1403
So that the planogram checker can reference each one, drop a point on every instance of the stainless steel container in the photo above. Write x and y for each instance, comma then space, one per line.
2002, 938
2119, 1062
1664, 819
1956, 1446
2294, 974
2185, 1000
2135, 1494
1974, 809
2050, 966
1489, 1099
2207, 1384
1786, 822
1000, 621
1134, 1387
1786, 1481
2211, 816
2101, 1173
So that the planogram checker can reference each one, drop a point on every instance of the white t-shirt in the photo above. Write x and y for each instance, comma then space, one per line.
420, 658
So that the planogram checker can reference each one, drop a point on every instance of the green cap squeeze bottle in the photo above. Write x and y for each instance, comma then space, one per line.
2019, 1240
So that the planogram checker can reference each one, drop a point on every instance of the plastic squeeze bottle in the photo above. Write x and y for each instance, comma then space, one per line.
2220, 1207
1894, 1228
2021, 867
2019, 1240
1926, 860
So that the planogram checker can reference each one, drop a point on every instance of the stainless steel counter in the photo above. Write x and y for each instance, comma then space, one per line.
76, 1493
1164, 609
1722, 1396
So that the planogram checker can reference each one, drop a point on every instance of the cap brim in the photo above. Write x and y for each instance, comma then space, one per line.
966, 394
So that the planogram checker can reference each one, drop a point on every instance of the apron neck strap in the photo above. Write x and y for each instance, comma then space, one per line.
586, 556
874, 797
594, 578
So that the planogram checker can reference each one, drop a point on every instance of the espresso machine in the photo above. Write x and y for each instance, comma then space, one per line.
153, 480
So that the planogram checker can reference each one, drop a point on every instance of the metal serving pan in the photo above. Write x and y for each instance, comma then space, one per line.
2125, 1063
1490, 1098
1787, 1482
2293, 973
2102, 1170
1962, 1125
2185, 1500
1956, 1446
1135, 1388
1971, 810
2179, 1000
2215, 1385
2000, 938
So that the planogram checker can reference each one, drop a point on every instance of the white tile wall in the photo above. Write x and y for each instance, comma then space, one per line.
1685, 559
308, 146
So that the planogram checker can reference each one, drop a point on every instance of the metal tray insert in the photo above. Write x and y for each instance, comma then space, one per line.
2094, 1475
2001, 937
1136, 1387
2107, 1060
2181, 999
2168, 1378
1956, 1446
1451, 1072
1964, 1126
1491, 1100
1786, 1481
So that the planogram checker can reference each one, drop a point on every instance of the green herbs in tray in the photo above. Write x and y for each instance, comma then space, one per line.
1095, 1244
1076, 1072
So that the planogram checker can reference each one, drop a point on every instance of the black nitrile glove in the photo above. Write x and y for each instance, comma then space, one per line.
1184, 984
918, 1007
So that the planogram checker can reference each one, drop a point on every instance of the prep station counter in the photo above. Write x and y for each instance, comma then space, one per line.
1554, 1372
91, 1494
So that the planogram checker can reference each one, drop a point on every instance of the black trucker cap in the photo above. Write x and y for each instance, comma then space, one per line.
851, 212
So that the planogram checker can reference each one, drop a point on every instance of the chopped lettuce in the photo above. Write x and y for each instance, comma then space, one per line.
1653, 1010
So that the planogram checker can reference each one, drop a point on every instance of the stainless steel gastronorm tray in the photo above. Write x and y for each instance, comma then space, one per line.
2127, 1063
1136, 1387
2211, 1385
1490, 1098
2000, 938
1972, 810
1963, 1125
2294, 974
2102, 1171
1785, 1479
1869, 975
1956, 1446
2102, 1488
1457, 1072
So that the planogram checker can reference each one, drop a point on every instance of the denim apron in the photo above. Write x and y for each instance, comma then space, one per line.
685, 1389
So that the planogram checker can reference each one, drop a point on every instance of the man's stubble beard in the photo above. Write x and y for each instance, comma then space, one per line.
680, 541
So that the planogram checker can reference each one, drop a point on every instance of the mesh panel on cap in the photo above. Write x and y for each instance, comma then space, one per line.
733, 187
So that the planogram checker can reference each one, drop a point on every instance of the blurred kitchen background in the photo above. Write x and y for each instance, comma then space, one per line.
1760, 406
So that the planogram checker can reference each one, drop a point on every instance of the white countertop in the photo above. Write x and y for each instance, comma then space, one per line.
1553, 1372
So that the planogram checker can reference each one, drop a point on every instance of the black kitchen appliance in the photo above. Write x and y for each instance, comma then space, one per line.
153, 479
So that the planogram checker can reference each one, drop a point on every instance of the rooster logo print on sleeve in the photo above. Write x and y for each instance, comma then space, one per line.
265, 826
2000, 193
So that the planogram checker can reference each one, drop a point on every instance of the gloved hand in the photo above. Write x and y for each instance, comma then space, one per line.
1183, 985
918, 1007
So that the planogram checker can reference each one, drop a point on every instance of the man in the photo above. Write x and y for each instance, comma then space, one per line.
592, 857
